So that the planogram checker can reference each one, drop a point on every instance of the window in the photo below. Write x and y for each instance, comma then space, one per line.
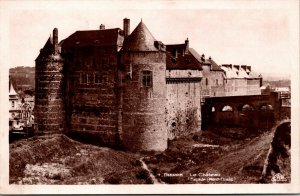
98, 79
13, 104
147, 78
83, 78
206, 81
217, 82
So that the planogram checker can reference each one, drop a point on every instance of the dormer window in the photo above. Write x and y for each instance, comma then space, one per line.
146, 78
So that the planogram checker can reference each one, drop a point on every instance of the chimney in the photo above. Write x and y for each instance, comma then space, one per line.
102, 27
203, 57
55, 41
187, 45
126, 27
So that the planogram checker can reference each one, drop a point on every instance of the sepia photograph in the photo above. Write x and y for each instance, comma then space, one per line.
149, 96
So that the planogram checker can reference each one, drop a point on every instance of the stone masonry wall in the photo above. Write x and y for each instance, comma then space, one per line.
92, 104
144, 125
212, 83
183, 104
253, 87
49, 102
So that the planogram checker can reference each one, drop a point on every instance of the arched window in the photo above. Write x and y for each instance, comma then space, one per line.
227, 108
146, 78
83, 78
213, 109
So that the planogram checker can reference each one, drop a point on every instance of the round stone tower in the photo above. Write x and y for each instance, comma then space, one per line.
143, 60
49, 104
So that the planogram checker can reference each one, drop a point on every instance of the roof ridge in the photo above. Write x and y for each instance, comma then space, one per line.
97, 30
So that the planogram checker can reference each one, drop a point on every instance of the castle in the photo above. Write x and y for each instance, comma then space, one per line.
129, 89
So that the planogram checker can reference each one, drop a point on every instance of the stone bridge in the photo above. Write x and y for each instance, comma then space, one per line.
259, 111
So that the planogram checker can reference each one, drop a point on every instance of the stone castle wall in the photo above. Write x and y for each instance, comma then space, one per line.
143, 118
92, 104
49, 99
183, 102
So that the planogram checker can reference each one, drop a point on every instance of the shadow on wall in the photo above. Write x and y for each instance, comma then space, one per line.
183, 123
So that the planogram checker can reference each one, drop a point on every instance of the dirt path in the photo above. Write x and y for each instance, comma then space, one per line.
249, 158
153, 178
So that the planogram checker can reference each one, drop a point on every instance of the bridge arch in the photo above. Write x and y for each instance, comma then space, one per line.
266, 107
226, 108
246, 107
213, 109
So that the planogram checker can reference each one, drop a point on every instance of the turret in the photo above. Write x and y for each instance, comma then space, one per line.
144, 98
49, 102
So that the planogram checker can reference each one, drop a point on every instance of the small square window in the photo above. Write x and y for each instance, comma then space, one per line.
147, 78
83, 78
98, 79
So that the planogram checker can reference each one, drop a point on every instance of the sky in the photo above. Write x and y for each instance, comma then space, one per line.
243, 32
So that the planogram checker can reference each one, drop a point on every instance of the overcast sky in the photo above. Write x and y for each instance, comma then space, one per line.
257, 33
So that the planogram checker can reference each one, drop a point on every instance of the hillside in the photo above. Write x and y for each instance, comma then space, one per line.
22, 76
58, 159
277, 83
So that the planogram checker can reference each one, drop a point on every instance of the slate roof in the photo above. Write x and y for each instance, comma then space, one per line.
210, 61
46, 50
106, 37
178, 47
140, 39
214, 65
253, 74
233, 72
182, 62
199, 57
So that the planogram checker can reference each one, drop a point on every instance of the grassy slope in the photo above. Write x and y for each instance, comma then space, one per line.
60, 160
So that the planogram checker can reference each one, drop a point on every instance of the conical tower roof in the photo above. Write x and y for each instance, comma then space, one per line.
46, 50
140, 39
12, 91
